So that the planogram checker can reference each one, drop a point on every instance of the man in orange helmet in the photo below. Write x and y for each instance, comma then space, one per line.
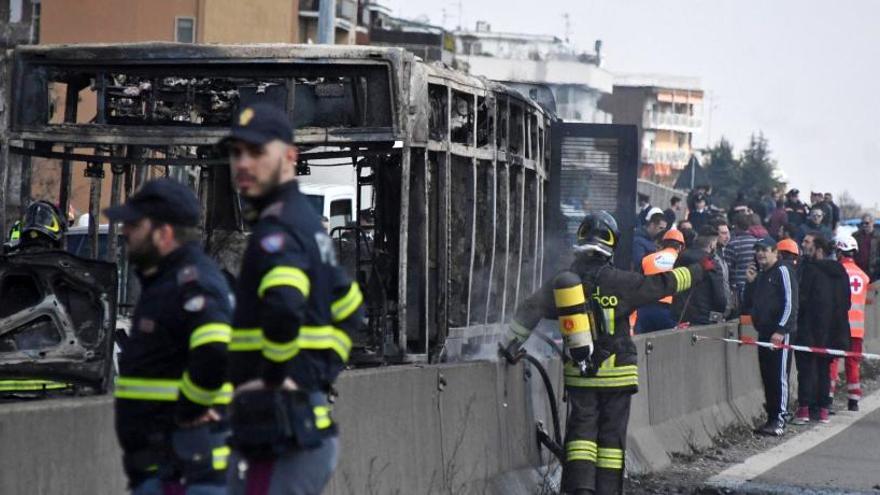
789, 251
658, 315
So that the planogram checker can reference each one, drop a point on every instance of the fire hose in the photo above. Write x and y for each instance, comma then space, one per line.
554, 445
799, 348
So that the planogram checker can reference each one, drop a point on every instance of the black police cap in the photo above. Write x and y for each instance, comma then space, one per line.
160, 200
259, 124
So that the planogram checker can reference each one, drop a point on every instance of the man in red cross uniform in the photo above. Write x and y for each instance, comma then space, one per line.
847, 247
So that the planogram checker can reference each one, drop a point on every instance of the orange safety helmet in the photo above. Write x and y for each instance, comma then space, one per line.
674, 235
788, 246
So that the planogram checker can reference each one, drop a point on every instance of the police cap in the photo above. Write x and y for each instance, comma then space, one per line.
259, 124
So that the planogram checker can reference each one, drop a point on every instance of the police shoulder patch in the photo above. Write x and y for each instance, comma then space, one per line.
187, 274
194, 304
272, 243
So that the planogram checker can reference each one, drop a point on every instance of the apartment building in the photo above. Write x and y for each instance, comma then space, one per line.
668, 112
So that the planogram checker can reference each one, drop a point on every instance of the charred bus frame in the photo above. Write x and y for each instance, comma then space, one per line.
456, 166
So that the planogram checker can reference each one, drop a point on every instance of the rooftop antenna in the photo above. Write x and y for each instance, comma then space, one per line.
567, 18
460, 15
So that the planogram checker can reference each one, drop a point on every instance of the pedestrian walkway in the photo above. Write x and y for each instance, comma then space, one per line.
842, 457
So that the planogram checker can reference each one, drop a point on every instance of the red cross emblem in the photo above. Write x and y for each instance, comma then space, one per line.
856, 284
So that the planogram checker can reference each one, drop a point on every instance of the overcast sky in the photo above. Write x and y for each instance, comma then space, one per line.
804, 72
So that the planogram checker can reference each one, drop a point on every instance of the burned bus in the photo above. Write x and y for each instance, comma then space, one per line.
466, 189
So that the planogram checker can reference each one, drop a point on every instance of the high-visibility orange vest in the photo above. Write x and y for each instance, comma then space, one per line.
858, 286
659, 262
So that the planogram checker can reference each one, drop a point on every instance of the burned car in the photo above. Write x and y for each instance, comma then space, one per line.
57, 322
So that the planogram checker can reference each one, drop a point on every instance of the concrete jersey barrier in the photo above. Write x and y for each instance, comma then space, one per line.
462, 428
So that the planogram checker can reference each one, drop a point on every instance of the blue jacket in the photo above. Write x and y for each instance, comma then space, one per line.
643, 245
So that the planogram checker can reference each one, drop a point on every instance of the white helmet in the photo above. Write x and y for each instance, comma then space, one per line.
846, 243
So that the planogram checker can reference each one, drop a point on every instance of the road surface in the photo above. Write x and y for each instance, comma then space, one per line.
841, 457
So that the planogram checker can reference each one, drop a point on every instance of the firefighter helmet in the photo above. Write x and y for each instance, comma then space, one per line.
598, 233
43, 218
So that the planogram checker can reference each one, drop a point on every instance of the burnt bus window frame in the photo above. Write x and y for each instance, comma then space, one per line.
416, 182
30, 109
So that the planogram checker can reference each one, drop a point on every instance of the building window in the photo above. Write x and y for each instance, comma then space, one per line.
185, 30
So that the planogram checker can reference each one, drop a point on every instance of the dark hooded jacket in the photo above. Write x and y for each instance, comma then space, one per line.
823, 319
694, 305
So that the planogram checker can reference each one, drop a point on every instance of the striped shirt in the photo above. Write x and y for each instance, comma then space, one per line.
739, 254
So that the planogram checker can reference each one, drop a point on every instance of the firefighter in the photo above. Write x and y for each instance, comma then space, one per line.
13, 238
658, 315
602, 373
171, 391
295, 310
42, 230
847, 247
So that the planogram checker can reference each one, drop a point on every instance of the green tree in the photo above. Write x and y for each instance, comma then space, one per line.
757, 168
725, 173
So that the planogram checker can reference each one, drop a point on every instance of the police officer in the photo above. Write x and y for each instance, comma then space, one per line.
295, 309
171, 389
600, 385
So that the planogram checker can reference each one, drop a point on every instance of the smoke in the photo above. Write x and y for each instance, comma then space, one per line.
480, 342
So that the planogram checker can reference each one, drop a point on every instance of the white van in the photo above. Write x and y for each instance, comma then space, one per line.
334, 201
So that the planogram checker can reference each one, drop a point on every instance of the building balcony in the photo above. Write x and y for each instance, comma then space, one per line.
345, 9
672, 121
678, 159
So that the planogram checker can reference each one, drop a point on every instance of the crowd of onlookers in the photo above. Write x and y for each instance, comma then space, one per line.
782, 266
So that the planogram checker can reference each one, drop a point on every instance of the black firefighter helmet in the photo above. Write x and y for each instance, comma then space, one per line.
42, 219
598, 234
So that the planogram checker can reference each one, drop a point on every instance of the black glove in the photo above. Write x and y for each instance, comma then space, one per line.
600, 354
511, 352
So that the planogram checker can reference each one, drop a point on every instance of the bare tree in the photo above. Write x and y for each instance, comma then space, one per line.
849, 207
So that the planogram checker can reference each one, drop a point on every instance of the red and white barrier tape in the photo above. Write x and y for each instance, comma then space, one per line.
800, 348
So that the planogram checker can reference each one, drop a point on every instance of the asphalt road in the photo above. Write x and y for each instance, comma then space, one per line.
841, 457
848, 462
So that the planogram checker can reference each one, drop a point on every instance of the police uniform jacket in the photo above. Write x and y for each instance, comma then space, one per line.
172, 366
295, 307
613, 294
